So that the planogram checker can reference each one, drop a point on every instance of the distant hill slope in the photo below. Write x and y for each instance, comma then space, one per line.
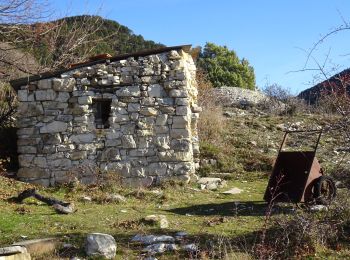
124, 41
335, 83
56, 44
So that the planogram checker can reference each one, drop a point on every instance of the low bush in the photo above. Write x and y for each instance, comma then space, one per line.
211, 123
280, 101
300, 234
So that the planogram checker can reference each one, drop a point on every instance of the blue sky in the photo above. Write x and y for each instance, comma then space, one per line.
272, 34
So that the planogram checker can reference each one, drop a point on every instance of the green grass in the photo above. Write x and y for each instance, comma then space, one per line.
185, 209
204, 215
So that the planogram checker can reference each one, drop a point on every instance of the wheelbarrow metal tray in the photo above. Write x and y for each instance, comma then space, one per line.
293, 177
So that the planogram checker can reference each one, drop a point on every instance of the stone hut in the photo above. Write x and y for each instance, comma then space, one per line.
132, 115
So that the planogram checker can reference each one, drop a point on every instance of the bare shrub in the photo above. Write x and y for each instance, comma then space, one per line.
211, 123
8, 104
300, 234
280, 101
336, 100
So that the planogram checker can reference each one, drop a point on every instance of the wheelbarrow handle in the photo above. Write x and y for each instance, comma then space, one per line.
286, 133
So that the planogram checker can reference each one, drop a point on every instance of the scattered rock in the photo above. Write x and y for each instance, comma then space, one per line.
86, 199
190, 248
151, 258
339, 185
232, 191
101, 245
209, 183
159, 248
115, 198
39, 246
12, 250
62, 209
318, 208
151, 239
235, 96
193, 189
155, 248
19, 256
253, 143
229, 114
180, 235
159, 220
157, 192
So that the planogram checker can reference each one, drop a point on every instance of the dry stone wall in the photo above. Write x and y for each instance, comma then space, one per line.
151, 128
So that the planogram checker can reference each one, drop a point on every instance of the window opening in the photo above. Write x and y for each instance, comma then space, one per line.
102, 109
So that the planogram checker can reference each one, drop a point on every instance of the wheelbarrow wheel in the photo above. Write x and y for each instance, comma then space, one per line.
324, 190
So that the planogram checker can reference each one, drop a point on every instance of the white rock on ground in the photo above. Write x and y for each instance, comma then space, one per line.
211, 183
100, 245
86, 198
232, 191
11, 250
62, 209
151, 258
115, 198
190, 248
151, 239
316, 208
159, 248
159, 220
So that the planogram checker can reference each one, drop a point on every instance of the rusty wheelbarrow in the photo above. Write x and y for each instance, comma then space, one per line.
298, 177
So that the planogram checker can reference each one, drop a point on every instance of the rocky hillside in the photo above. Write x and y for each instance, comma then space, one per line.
337, 83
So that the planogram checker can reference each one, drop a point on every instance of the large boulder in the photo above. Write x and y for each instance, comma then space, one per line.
100, 245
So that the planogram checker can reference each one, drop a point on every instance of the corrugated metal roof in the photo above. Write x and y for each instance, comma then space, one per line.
17, 83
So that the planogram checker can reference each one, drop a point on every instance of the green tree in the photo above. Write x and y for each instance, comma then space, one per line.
224, 68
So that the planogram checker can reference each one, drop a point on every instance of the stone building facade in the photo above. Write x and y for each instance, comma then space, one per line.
131, 115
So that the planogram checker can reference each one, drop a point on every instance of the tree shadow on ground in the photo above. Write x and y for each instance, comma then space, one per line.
234, 208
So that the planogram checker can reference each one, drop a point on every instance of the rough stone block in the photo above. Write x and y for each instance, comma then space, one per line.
64, 85
110, 154
162, 142
78, 155
62, 97
54, 127
134, 107
128, 141
162, 119
63, 164
179, 133
34, 172
22, 95
156, 90
45, 84
27, 149
157, 169
161, 129
130, 91
84, 100
39, 246
40, 162
180, 122
183, 111
119, 118
176, 93
44, 95
27, 141
113, 135
82, 138
100, 245
30, 109
148, 111
25, 160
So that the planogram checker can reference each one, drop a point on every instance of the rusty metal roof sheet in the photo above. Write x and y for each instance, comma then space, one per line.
17, 83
